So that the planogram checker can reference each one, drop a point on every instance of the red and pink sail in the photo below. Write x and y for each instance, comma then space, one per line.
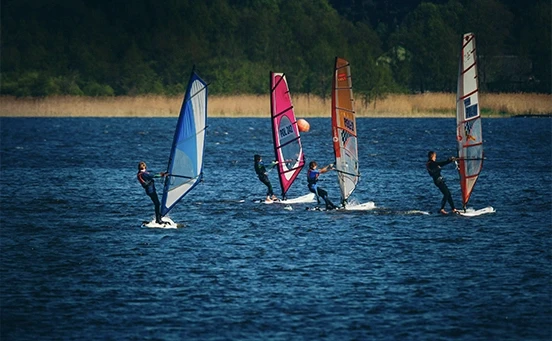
285, 133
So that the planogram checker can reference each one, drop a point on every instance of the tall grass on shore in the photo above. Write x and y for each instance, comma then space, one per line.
395, 105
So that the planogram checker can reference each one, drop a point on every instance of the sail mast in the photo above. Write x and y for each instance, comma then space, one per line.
285, 133
344, 129
468, 119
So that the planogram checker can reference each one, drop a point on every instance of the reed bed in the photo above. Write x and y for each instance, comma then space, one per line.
396, 105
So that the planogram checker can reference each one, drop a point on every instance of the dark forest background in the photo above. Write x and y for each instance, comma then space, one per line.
116, 47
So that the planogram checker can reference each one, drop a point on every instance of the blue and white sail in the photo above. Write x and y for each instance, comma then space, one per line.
186, 159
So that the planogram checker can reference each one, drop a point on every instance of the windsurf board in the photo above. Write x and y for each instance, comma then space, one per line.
168, 224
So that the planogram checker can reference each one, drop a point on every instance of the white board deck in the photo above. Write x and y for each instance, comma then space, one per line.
470, 212
305, 199
169, 224
370, 205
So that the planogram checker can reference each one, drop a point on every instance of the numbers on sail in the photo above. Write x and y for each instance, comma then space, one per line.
285, 131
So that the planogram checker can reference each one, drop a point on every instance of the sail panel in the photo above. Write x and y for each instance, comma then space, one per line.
468, 119
186, 159
344, 129
285, 132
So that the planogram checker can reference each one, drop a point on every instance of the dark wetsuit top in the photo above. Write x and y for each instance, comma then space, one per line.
434, 169
260, 169
312, 179
146, 180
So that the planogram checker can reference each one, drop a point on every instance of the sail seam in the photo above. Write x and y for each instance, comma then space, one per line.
282, 112
282, 77
468, 95
469, 67
467, 42
347, 110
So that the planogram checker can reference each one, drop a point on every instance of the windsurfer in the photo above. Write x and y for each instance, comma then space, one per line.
312, 178
146, 179
262, 173
434, 169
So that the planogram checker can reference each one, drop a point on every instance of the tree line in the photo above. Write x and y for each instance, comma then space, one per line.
119, 47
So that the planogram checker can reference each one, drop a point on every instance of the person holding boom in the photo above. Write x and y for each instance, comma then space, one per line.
434, 169
312, 178
146, 179
262, 173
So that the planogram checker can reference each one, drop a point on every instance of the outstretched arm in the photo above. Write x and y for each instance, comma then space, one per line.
446, 162
327, 168
161, 175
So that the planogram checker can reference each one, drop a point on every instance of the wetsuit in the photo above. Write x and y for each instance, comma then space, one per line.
146, 180
312, 179
261, 172
434, 170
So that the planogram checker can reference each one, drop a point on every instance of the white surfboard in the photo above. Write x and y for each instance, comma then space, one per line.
168, 224
305, 199
370, 205
470, 212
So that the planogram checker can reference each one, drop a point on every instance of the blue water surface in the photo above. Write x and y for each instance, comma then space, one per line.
76, 265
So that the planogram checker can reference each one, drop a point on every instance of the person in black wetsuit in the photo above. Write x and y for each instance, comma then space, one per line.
146, 179
312, 179
262, 173
434, 169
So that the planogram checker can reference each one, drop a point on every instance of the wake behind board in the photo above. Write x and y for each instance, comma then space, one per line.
470, 212
416, 212
168, 224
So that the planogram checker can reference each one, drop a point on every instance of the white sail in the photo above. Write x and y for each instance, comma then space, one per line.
468, 119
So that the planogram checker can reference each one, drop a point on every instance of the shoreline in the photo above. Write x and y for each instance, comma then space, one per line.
428, 105
420, 115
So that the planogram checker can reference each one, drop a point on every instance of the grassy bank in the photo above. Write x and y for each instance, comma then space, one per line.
397, 105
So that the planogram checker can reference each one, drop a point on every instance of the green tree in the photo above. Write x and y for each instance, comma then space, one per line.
491, 22
535, 43
430, 42
137, 77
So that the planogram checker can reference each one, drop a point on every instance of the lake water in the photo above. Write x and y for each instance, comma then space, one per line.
76, 265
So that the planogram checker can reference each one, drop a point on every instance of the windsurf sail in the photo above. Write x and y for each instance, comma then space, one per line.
468, 119
285, 133
344, 129
186, 159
